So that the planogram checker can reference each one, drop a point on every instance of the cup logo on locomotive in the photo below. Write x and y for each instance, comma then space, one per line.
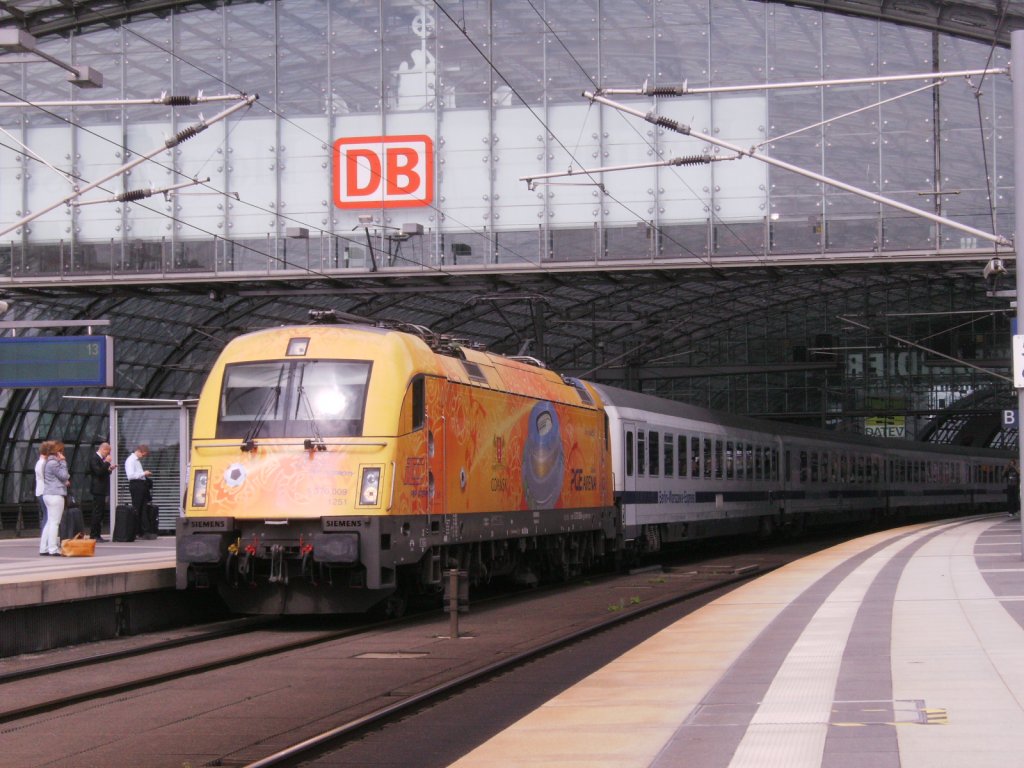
543, 462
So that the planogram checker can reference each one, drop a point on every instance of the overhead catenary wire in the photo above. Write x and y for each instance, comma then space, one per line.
542, 122
240, 244
603, 188
981, 122
181, 136
675, 125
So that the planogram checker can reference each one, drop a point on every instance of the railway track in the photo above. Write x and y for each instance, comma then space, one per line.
215, 659
332, 738
359, 676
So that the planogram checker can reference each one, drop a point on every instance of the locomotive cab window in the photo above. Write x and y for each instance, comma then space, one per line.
293, 398
419, 402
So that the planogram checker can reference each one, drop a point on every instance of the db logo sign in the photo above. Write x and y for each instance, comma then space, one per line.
384, 172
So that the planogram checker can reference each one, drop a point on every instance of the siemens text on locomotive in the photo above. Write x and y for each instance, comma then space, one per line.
334, 468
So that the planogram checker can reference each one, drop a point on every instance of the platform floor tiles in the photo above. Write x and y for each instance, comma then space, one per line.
902, 649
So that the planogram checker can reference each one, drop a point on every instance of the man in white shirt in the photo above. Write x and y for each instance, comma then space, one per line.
138, 486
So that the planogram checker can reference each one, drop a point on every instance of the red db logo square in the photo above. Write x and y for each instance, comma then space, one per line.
384, 172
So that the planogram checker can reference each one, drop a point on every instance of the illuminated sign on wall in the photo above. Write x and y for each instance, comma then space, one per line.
384, 172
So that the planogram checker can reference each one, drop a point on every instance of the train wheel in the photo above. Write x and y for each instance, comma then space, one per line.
394, 605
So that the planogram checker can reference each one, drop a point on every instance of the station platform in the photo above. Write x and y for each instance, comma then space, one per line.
26, 579
902, 648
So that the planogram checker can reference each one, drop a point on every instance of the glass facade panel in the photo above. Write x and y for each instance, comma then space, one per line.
496, 90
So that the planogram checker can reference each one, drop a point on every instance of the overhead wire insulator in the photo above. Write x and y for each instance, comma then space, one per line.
133, 194
666, 90
184, 135
178, 101
690, 160
668, 122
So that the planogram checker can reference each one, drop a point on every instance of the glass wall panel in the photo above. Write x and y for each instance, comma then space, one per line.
738, 31
330, 70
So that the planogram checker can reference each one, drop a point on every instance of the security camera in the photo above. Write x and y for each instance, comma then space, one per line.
993, 269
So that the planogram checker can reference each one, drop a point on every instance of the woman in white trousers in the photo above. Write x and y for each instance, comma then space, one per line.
55, 488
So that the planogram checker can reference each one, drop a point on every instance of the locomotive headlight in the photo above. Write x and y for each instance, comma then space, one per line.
199, 485
369, 486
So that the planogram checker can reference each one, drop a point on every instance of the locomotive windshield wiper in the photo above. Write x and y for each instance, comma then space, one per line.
268, 405
317, 442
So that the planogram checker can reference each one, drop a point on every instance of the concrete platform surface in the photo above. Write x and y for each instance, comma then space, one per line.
28, 579
904, 648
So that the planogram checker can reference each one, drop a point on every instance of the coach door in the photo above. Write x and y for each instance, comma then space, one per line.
628, 469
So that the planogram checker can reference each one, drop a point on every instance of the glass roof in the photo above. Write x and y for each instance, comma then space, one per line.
976, 19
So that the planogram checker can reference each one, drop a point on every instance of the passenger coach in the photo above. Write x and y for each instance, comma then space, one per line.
684, 473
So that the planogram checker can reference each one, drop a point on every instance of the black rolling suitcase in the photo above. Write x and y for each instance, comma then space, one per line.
71, 522
152, 513
124, 523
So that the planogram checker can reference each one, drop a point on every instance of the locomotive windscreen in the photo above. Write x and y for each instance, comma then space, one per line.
293, 398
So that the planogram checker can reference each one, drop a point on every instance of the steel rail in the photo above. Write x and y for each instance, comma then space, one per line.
322, 742
51, 705
247, 625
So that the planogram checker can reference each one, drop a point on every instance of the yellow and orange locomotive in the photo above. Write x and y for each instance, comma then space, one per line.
337, 467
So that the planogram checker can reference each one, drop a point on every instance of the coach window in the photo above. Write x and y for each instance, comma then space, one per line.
655, 452
670, 459
681, 455
706, 458
629, 454
843, 475
814, 466
803, 466
641, 453
730, 461
774, 474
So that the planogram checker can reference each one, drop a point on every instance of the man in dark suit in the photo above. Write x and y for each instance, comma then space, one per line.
99, 470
